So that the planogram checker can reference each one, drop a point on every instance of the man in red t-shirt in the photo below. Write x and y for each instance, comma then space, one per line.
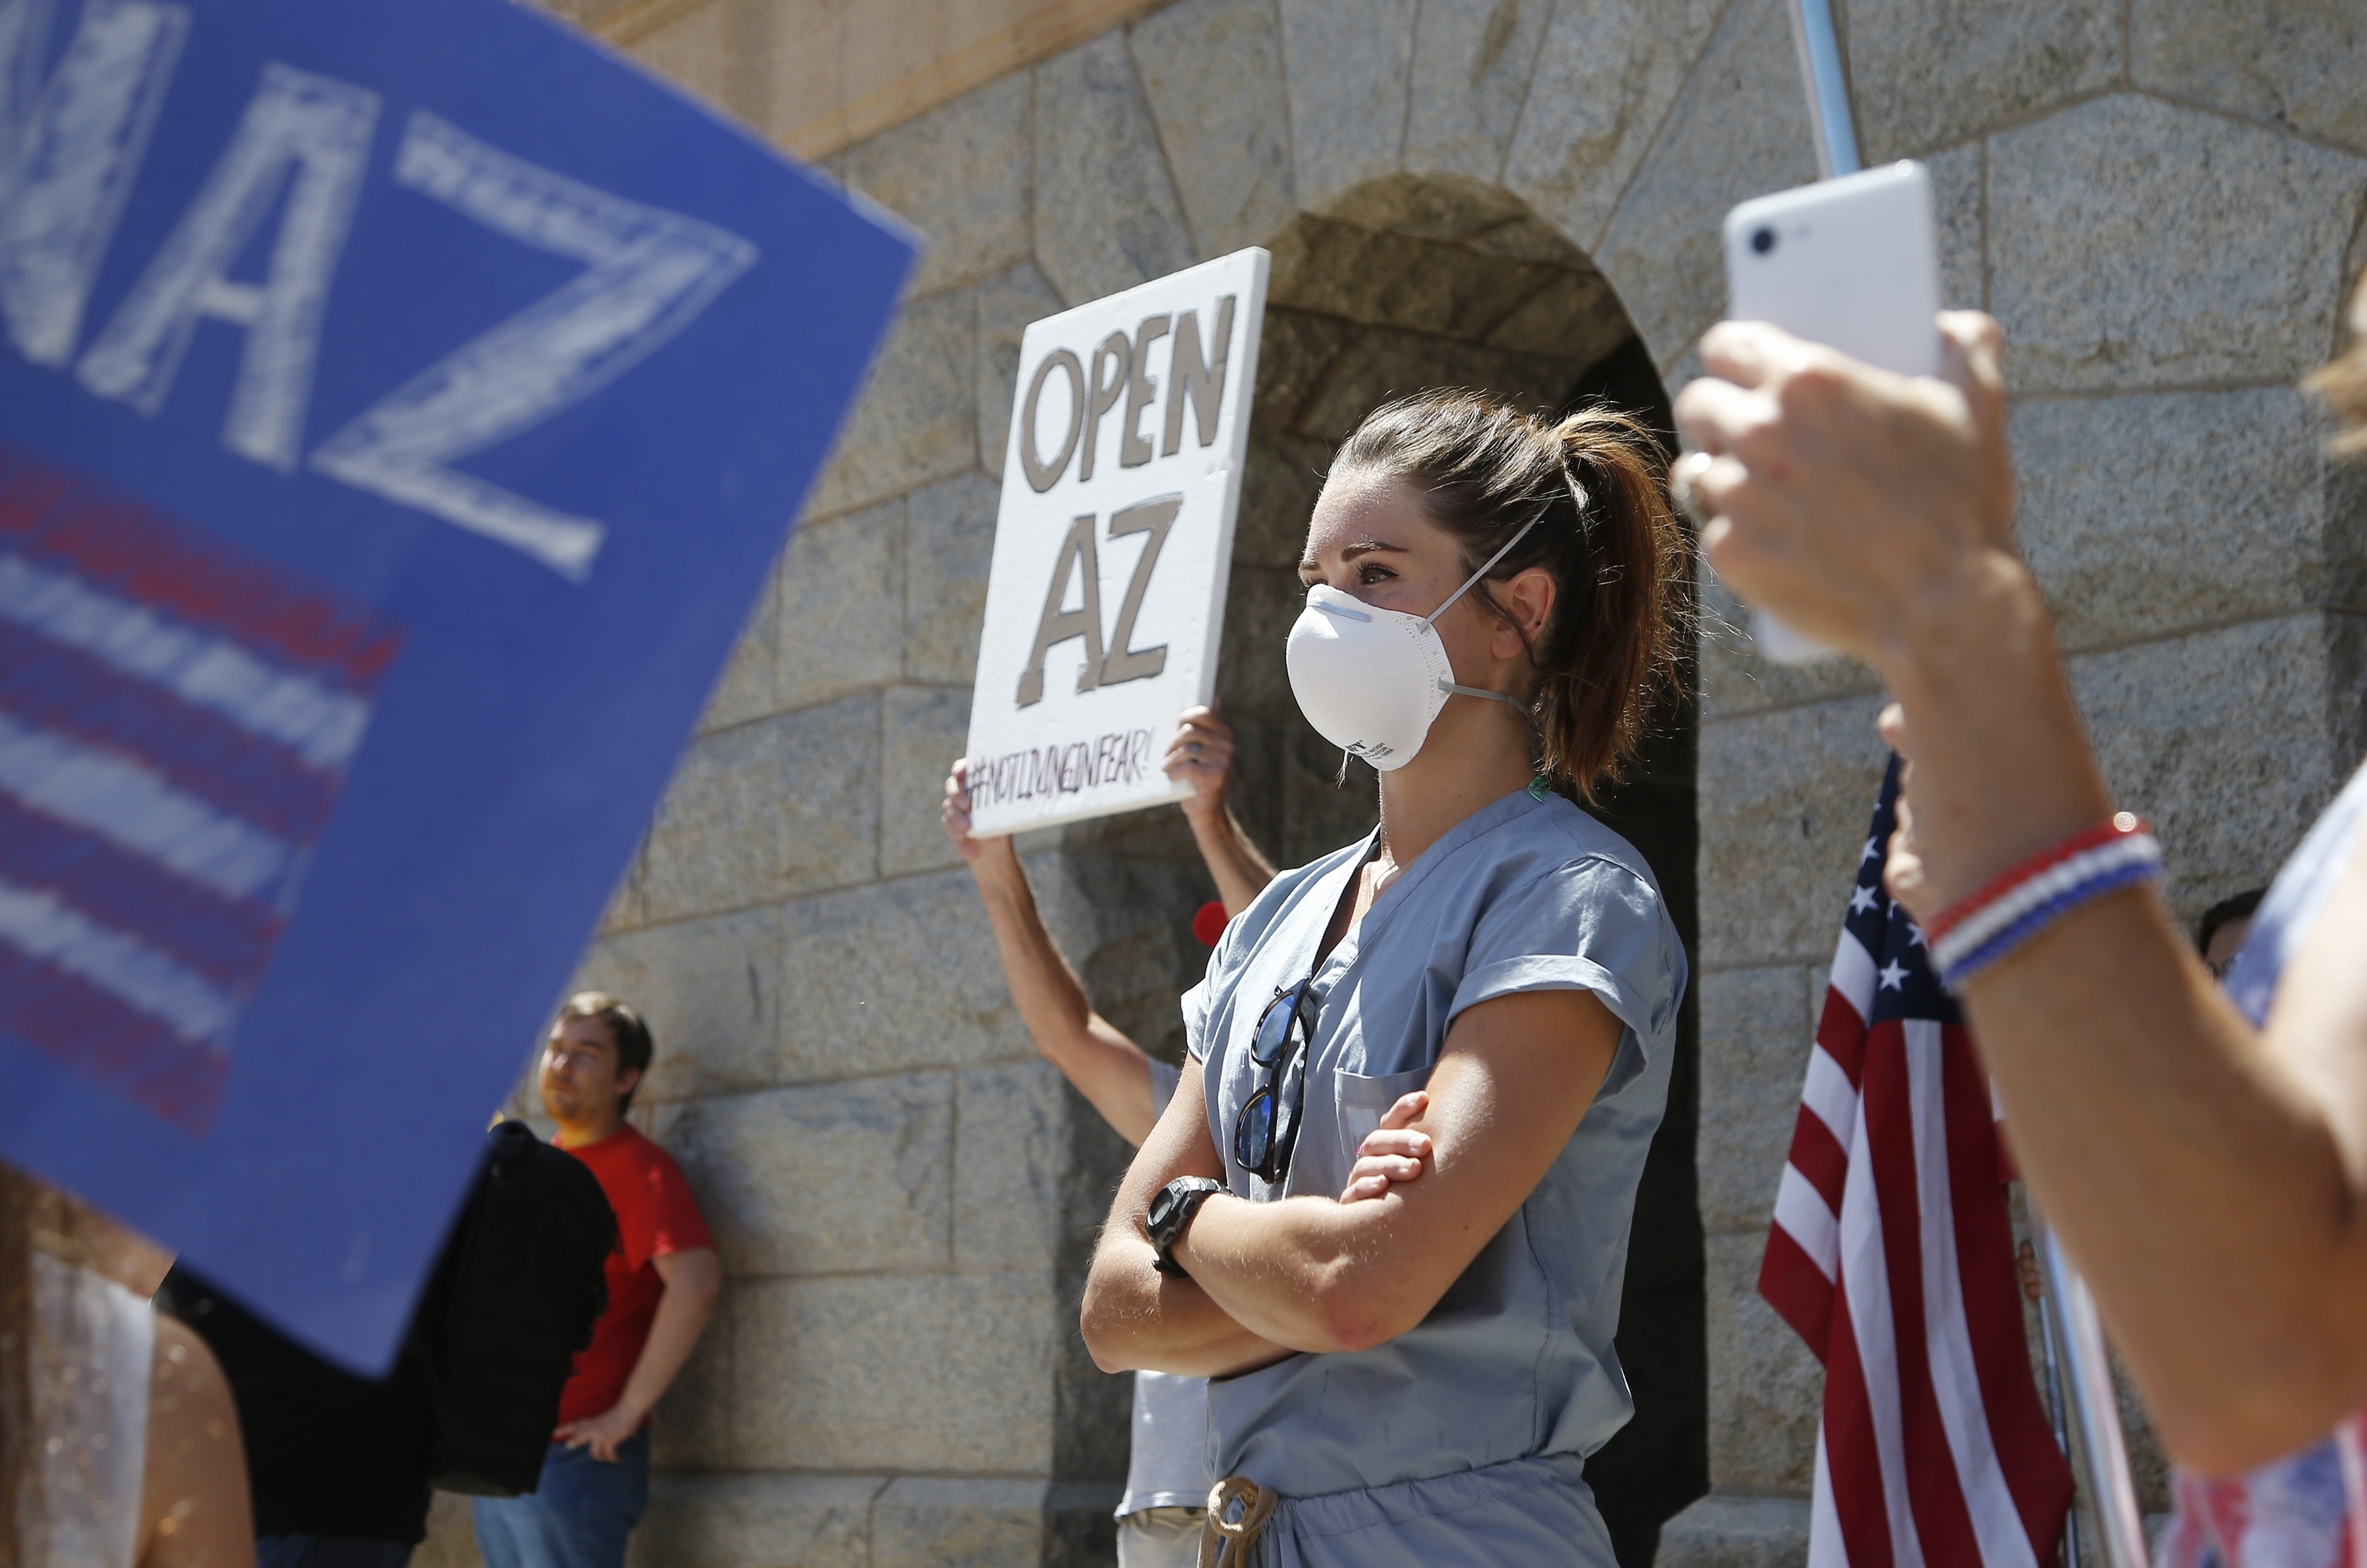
663, 1281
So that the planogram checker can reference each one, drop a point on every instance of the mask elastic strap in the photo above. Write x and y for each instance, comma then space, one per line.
1513, 702
1488, 567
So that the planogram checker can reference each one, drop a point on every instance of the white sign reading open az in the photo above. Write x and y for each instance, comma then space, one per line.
1113, 544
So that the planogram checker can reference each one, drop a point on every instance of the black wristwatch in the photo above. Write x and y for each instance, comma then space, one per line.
1170, 1213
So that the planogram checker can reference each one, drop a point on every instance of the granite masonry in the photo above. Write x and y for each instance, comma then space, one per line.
2161, 200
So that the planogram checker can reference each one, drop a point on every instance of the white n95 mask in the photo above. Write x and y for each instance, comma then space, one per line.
1372, 680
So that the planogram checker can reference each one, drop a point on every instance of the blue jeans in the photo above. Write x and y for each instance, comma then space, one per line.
577, 1518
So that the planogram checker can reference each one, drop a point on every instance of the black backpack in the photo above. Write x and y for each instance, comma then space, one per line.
520, 1285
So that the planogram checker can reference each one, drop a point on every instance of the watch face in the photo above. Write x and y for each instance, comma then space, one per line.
1161, 1206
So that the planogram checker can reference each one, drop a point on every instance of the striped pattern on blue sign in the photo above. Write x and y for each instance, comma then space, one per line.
176, 719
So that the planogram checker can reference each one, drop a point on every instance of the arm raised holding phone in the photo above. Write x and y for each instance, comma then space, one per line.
2209, 1176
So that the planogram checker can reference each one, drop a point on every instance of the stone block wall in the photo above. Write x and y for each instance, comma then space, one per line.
2160, 199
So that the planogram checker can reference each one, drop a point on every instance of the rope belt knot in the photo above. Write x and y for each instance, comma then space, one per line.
1238, 1511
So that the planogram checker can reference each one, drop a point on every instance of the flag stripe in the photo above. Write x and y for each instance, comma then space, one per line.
114, 541
41, 926
1996, 1521
130, 804
1992, 1300
1862, 1492
1841, 1033
1938, 1507
227, 941
46, 686
1808, 1221
1830, 1092
1827, 1548
91, 1032
1799, 1290
1818, 1158
321, 723
1852, 979
1867, 1285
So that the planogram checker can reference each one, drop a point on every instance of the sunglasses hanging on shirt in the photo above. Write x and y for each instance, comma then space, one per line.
1267, 1129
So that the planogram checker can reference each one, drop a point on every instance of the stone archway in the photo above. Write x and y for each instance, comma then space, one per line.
1402, 284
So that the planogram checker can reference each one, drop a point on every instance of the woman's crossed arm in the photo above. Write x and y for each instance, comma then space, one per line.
1516, 1078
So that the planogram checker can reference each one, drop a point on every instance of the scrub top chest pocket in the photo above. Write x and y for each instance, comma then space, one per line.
1342, 1106
1364, 1101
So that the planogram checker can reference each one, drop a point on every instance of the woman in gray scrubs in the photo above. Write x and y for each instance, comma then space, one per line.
1388, 1213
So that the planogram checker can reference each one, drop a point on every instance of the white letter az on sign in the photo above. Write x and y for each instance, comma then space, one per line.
319, 129
649, 274
71, 148
67, 154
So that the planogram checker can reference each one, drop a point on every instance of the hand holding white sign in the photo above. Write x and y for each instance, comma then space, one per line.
1113, 544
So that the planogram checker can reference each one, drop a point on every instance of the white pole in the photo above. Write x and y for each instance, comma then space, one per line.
2058, 1413
2103, 1450
1821, 68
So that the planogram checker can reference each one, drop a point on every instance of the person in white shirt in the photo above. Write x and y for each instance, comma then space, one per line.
1167, 1478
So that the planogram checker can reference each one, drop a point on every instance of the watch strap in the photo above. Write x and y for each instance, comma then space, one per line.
1172, 1212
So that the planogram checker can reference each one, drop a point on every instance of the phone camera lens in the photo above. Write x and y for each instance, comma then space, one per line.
1763, 240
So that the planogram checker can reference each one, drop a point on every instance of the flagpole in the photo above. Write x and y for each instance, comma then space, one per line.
2103, 1460
2058, 1414
1820, 69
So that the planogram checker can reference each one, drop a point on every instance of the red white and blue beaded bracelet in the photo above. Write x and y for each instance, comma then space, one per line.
1975, 932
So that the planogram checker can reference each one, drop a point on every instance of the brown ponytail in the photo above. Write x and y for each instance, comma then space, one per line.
1617, 559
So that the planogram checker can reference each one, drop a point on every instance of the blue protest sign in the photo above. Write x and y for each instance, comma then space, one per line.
401, 404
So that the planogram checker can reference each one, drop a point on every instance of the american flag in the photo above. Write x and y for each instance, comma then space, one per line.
1892, 1255
176, 719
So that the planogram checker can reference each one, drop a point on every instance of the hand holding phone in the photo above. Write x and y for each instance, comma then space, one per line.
1853, 264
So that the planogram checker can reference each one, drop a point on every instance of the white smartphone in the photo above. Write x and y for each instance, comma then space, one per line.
1853, 264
